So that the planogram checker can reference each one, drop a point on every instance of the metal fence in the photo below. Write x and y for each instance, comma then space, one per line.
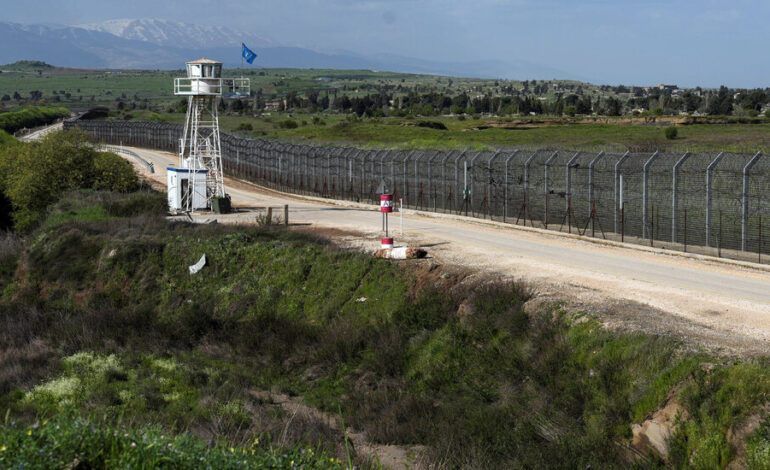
707, 203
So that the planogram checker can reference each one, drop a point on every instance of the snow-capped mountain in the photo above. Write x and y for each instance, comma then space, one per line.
162, 44
175, 34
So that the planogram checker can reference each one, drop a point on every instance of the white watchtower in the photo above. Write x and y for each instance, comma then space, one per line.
199, 178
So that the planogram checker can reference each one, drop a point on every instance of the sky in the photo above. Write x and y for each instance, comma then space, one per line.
690, 43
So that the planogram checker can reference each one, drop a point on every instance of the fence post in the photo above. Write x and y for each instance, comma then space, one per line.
505, 190
430, 179
457, 181
406, 181
547, 175
709, 171
745, 205
473, 181
675, 196
329, 171
489, 183
591, 183
443, 180
570, 165
526, 179
618, 164
417, 175
393, 173
645, 178
363, 175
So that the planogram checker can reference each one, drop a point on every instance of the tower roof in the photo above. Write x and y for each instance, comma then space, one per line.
204, 60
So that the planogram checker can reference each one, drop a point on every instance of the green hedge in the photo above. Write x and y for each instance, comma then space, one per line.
31, 116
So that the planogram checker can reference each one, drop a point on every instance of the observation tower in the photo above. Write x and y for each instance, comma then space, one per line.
198, 179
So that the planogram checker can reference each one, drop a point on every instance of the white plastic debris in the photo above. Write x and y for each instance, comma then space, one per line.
402, 252
198, 266
361, 299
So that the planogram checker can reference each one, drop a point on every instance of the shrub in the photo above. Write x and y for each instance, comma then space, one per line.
245, 126
32, 116
113, 173
154, 117
767, 113
671, 133
35, 175
288, 124
440, 126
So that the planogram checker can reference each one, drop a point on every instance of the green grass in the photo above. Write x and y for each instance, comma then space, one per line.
425, 359
72, 441
478, 134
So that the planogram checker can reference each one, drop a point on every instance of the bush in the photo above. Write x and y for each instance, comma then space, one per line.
440, 126
113, 173
288, 124
30, 117
671, 133
767, 113
570, 111
154, 117
245, 126
35, 175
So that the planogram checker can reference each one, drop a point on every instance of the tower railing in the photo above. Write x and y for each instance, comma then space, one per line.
197, 86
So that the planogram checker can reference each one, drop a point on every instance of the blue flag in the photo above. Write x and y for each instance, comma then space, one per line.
248, 54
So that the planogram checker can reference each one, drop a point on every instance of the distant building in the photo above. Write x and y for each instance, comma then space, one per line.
273, 105
663, 87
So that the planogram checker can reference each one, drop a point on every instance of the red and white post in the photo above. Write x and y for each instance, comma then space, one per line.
386, 207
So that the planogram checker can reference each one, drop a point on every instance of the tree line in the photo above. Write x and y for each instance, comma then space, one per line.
723, 101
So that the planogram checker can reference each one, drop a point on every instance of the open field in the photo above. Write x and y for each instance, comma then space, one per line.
307, 99
491, 133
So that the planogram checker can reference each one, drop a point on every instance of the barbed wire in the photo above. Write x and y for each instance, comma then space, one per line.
712, 203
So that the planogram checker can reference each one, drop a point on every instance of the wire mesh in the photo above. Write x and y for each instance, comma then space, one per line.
716, 202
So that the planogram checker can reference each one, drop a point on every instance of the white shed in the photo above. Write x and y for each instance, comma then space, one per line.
180, 190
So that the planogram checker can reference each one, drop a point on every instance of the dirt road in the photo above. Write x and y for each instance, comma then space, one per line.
721, 306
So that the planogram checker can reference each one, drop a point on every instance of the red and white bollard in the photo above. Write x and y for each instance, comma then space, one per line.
386, 207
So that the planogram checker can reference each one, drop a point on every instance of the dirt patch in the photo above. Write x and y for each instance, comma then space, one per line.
737, 435
387, 456
653, 434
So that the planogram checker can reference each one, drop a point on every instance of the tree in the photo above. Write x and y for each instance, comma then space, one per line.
754, 100
34, 176
690, 102
721, 103
613, 106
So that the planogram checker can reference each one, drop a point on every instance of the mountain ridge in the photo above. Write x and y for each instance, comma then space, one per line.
164, 44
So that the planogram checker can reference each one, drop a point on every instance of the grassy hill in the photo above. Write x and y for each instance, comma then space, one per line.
27, 66
442, 361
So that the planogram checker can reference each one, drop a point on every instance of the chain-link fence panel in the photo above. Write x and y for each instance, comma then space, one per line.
713, 201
